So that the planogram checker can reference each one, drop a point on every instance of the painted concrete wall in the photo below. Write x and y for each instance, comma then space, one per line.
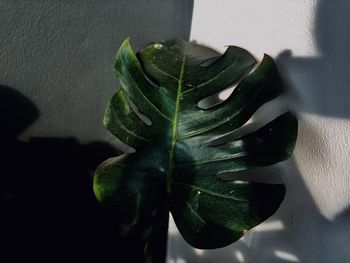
309, 40
60, 55
56, 59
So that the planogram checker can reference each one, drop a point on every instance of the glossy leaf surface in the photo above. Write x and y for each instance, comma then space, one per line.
174, 165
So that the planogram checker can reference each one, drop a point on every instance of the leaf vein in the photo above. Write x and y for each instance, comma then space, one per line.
210, 192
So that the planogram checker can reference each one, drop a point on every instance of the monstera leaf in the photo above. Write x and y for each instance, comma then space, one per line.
175, 164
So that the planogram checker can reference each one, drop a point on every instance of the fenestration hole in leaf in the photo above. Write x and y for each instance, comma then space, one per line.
139, 114
249, 127
154, 82
265, 114
255, 175
209, 61
216, 98
222, 95
123, 147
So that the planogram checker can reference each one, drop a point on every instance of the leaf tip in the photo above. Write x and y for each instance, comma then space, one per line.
97, 189
126, 41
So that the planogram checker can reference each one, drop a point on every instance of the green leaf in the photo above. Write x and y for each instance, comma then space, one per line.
175, 166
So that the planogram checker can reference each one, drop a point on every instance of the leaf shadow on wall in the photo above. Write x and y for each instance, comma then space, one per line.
320, 85
278, 238
48, 209
299, 232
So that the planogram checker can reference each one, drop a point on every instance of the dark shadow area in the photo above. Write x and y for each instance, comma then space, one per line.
58, 56
316, 85
48, 209
298, 232
320, 85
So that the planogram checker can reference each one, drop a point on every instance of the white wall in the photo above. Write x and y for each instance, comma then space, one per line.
310, 41
59, 53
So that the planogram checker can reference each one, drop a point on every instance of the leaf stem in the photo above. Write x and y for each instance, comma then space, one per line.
156, 250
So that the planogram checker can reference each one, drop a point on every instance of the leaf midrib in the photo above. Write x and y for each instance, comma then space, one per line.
174, 125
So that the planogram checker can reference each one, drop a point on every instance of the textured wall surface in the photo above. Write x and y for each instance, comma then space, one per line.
60, 55
309, 40
56, 59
